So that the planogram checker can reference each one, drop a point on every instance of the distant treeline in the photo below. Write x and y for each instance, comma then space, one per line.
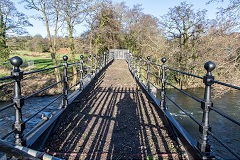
183, 35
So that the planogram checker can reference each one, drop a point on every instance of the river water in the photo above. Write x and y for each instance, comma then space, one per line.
224, 129
31, 106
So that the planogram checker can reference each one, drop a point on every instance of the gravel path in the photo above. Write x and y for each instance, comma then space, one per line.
113, 121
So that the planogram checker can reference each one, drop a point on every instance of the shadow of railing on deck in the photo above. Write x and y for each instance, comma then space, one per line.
113, 123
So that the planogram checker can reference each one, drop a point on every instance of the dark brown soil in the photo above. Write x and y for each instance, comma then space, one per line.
115, 120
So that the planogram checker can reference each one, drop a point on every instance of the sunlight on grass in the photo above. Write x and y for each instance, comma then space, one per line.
33, 61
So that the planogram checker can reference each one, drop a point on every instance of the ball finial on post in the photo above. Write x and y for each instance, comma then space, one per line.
164, 60
81, 56
16, 62
148, 57
65, 58
209, 66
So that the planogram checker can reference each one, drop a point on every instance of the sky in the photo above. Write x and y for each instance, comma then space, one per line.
156, 8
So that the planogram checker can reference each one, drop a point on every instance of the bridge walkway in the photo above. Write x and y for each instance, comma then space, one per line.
114, 120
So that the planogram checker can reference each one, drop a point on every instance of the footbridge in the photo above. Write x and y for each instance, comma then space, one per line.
113, 110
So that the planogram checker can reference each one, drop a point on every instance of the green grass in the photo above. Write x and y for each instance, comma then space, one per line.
41, 61
28, 55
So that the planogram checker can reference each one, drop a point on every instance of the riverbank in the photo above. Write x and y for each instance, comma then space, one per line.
30, 85
36, 82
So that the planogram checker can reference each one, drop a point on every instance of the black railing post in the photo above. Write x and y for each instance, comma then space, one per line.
97, 65
101, 61
81, 72
136, 62
94, 63
163, 80
140, 68
89, 66
81, 66
131, 61
104, 59
208, 80
18, 99
148, 72
65, 83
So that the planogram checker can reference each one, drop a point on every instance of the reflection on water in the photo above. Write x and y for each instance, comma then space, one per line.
224, 129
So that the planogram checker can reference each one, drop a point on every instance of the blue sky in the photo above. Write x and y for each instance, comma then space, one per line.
156, 8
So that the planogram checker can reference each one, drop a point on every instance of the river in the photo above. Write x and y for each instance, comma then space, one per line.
225, 129
31, 106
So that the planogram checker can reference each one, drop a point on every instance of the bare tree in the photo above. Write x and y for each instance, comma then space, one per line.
227, 19
11, 22
74, 13
181, 23
142, 33
234, 5
131, 27
49, 12
91, 20
107, 29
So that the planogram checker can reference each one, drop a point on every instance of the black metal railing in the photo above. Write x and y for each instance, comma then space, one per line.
84, 75
206, 103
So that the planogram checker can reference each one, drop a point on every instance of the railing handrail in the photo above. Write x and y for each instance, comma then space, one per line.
189, 95
41, 70
197, 99
189, 74
6, 78
24, 153
206, 103
46, 88
193, 75
18, 99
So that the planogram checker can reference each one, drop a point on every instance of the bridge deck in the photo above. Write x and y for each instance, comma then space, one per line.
114, 120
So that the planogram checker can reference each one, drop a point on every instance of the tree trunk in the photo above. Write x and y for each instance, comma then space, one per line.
3, 43
72, 56
91, 37
52, 51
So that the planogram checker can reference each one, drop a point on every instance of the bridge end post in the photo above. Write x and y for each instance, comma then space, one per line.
148, 72
129, 60
65, 83
208, 80
18, 99
163, 81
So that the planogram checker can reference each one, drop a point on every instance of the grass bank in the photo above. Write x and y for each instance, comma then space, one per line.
34, 82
